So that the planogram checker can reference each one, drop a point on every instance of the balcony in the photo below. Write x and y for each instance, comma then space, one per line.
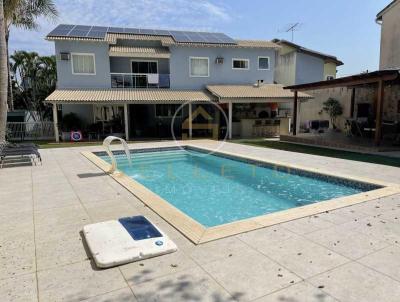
139, 80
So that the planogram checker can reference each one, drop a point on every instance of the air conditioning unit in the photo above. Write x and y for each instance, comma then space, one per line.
64, 56
219, 60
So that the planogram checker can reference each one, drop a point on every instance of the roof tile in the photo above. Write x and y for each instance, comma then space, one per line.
144, 96
266, 91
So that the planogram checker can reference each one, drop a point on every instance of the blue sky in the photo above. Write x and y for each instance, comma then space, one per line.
344, 28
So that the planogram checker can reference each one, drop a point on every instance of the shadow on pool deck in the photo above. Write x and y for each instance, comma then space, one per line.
90, 175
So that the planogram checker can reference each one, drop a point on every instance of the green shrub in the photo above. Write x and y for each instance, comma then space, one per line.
334, 109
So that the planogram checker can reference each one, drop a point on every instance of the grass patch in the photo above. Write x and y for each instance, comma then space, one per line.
368, 158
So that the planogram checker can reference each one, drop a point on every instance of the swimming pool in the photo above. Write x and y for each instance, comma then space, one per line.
218, 189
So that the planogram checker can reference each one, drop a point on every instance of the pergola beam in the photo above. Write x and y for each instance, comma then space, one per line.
126, 121
230, 120
55, 123
355, 80
295, 106
378, 112
190, 120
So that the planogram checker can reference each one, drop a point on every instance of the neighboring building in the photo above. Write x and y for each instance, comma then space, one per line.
298, 65
389, 19
132, 81
371, 100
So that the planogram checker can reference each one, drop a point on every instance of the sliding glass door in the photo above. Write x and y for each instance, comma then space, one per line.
146, 73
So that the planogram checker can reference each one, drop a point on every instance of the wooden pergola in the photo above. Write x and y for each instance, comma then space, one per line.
378, 78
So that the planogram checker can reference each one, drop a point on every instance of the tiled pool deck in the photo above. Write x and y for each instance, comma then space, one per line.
350, 254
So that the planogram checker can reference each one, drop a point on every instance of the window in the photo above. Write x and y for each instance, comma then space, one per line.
263, 63
330, 77
144, 67
168, 110
240, 64
83, 63
198, 67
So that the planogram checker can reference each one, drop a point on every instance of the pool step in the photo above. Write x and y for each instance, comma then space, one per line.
151, 162
152, 159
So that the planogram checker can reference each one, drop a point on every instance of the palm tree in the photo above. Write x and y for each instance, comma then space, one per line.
23, 14
35, 79
3, 76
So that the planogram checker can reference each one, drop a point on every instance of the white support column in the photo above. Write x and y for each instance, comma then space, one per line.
126, 121
190, 121
55, 123
230, 120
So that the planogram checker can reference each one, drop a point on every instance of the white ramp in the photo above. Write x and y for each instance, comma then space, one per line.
129, 239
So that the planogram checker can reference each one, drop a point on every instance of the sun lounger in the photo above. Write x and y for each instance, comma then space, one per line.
13, 151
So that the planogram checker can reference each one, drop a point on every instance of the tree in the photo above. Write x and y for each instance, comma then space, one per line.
3, 76
334, 109
24, 14
34, 79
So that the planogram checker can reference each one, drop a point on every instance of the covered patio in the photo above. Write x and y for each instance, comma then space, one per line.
373, 118
137, 107
259, 110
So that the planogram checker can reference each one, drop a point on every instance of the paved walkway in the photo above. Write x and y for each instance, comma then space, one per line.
351, 254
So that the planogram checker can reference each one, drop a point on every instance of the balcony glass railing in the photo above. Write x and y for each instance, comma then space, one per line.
136, 80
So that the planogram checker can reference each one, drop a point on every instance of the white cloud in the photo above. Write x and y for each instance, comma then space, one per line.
204, 15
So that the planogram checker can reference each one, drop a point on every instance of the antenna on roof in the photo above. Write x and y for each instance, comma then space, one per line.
292, 27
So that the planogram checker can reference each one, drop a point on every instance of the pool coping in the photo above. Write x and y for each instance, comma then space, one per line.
197, 233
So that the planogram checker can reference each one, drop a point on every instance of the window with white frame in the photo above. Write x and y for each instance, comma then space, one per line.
199, 67
263, 63
240, 64
83, 63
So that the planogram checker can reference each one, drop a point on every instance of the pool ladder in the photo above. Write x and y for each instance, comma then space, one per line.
106, 144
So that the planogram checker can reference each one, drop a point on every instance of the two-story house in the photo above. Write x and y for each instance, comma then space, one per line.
136, 81
388, 18
370, 100
298, 65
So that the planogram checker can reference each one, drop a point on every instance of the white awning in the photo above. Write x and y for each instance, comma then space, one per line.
139, 52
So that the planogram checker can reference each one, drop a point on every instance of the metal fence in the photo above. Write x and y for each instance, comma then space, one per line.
28, 131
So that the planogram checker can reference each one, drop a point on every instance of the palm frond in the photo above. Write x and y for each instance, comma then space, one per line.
24, 13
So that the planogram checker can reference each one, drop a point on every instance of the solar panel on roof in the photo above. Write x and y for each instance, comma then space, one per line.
162, 32
132, 30
196, 37
199, 38
65, 26
209, 39
182, 38
118, 30
96, 34
224, 38
69, 30
59, 32
78, 33
147, 31
100, 28
82, 27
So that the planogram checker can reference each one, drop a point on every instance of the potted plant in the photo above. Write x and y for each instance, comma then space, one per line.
334, 109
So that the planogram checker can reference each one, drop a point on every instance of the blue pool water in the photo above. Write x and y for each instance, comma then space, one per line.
215, 190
